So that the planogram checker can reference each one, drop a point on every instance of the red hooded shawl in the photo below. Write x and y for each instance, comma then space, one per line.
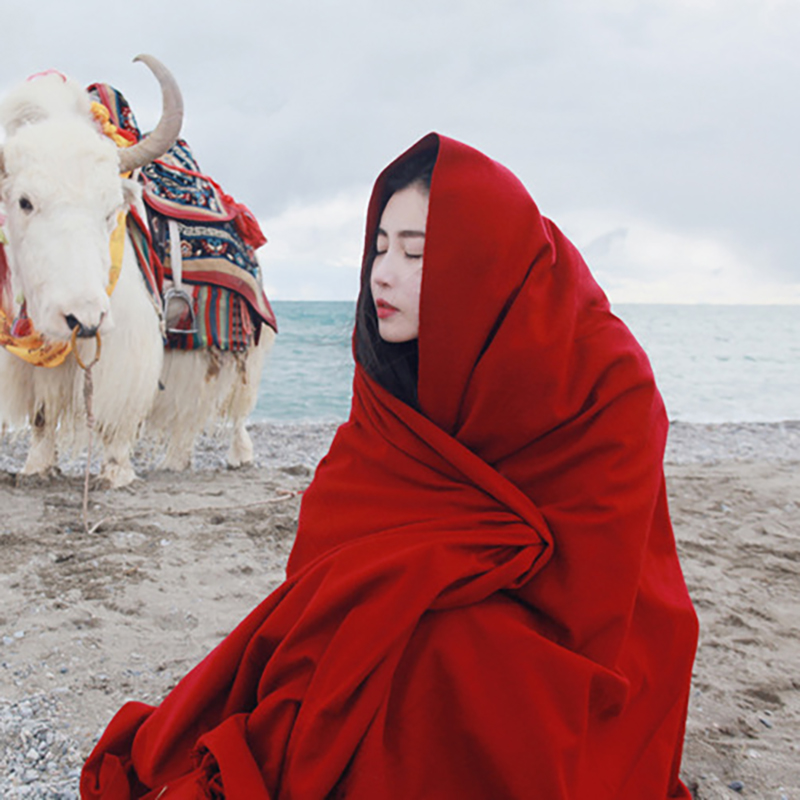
484, 599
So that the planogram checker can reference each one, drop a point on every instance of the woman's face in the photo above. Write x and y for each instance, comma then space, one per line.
396, 276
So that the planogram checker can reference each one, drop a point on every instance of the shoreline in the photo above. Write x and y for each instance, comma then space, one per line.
285, 444
706, 443
91, 620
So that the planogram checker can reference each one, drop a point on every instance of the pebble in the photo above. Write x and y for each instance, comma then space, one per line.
737, 786
39, 758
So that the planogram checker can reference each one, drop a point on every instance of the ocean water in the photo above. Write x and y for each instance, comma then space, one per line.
309, 372
712, 363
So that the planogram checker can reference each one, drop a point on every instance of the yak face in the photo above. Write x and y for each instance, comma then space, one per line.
61, 187
62, 191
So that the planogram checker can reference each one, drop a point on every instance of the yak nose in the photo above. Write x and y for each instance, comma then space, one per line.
84, 331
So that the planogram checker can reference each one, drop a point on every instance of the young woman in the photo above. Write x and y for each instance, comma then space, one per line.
484, 599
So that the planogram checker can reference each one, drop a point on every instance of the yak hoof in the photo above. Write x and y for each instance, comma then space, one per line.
241, 452
116, 476
176, 462
42, 478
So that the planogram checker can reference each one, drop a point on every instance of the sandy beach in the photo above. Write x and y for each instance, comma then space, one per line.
91, 620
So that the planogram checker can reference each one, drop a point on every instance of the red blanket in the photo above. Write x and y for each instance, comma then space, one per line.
484, 599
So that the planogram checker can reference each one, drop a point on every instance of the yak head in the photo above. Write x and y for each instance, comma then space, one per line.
61, 186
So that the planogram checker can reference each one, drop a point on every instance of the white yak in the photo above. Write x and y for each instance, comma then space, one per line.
61, 189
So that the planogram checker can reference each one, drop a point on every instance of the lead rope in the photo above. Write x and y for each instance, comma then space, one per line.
88, 391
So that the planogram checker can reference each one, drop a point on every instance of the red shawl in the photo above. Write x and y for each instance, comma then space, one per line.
484, 599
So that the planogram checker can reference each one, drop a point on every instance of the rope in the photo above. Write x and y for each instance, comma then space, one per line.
88, 391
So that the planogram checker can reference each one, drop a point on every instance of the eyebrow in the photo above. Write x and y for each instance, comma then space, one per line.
404, 234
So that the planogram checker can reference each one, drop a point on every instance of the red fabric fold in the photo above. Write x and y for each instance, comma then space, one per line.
484, 598
5, 278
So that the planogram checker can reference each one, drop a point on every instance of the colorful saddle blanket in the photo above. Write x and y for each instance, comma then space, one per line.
218, 239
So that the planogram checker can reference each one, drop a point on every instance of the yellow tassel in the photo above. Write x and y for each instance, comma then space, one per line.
103, 117
117, 247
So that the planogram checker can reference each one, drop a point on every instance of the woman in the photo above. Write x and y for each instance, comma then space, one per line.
484, 599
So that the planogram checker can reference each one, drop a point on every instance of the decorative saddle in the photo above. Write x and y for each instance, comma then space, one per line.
204, 242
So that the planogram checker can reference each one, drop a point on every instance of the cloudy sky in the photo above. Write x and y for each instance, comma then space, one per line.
662, 136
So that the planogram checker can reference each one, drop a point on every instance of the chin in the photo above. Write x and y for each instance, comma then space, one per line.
397, 337
397, 329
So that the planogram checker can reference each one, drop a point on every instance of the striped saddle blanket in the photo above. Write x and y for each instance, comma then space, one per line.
218, 238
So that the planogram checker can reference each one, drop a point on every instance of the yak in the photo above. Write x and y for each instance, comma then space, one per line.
69, 192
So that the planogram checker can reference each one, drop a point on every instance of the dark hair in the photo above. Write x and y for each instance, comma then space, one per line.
394, 365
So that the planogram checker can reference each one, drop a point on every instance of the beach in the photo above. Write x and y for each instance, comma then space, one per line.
90, 620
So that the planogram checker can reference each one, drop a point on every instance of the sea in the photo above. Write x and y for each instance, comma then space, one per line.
712, 363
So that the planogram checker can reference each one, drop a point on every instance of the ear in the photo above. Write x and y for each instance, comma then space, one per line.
23, 113
131, 192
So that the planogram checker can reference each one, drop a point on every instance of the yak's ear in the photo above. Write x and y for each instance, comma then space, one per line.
16, 116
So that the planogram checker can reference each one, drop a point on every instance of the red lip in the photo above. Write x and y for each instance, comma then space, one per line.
384, 309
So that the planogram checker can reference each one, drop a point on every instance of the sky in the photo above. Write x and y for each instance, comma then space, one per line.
662, 136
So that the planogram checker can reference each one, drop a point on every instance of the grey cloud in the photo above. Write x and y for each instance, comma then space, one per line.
680, 113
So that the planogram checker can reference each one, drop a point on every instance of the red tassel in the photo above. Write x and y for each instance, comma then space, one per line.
5, 273
6, 301
246, 223
22, 325
250, 230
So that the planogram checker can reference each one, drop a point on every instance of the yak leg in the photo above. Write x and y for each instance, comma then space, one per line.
241, 449
117, 470
42, 454
182, 408
179, 449
244, 397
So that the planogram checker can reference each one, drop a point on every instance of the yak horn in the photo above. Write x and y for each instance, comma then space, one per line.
169, 126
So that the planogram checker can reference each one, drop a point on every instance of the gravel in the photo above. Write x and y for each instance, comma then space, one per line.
38, 757
733, 441
302, 444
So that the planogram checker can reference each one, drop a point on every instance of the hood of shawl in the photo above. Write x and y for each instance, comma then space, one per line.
506, 304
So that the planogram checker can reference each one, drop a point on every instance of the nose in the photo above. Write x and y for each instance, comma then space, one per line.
383, 269
84, 311
84, 331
